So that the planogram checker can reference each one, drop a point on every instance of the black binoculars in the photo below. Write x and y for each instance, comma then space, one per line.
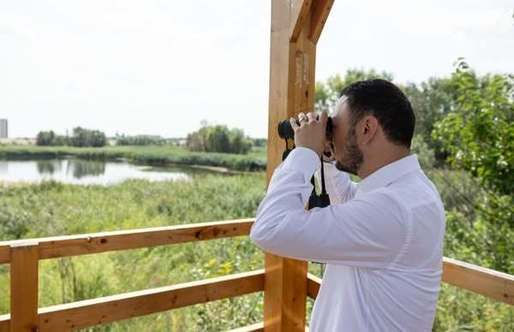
285, 131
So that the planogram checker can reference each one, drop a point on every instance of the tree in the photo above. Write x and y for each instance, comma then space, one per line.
478, 137
478, 134
218, 138
87, 138
139, 140
327, 93
45, 138
431, 101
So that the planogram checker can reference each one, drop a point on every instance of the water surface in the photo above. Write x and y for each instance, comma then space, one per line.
83, 172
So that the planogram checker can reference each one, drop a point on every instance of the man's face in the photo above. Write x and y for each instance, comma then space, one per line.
347, 154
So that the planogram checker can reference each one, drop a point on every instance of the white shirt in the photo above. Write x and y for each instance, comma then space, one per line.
382, 240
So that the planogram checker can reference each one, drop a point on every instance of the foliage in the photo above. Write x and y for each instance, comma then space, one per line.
478, 135
460, 310
49, 138
45, 137
139, 140
81, 138
218, 138
431, 101
478, 138
259, 142
479, 226
327, 93
424, 153
85, 137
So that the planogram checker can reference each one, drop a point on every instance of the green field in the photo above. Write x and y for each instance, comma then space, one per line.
157, 155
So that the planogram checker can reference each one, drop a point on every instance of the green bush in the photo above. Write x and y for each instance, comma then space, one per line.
139, 140
218, 139
81, 138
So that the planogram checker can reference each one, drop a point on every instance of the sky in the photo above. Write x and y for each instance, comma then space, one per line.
161, 67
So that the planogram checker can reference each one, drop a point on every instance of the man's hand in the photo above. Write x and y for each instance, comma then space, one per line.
311, 131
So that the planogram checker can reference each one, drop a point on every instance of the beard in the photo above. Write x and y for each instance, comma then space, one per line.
352, 157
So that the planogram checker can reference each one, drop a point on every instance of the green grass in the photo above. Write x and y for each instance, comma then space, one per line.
156, 154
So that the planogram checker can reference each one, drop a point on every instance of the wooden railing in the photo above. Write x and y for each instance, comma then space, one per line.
495, 285
24, 257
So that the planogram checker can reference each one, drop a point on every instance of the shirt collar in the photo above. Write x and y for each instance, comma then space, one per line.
389, 173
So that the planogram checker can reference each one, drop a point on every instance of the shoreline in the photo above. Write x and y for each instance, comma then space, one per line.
151, 155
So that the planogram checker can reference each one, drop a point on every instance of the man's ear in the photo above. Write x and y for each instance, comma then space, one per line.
368, 128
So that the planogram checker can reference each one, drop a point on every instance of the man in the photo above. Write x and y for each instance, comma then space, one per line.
382, 239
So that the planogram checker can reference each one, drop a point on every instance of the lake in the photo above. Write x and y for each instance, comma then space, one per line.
84, 172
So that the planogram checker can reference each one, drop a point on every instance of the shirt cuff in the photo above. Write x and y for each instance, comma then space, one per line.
303, 160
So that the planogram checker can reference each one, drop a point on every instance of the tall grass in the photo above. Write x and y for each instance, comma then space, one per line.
56, 209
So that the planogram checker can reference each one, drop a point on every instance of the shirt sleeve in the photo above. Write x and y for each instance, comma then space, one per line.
340, 187
368, 231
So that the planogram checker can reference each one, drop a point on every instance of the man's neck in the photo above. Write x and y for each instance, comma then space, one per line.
378, 160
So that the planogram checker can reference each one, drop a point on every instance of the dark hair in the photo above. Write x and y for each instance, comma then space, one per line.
387, 103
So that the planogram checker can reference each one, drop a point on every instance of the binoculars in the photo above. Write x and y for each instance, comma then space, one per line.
285, 131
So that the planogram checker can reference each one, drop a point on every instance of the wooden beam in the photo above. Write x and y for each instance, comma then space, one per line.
24, 287
292, 79
82, 244
300, 12
493, 284
5, 323
319, 15
82, 314
291, 76
279, 75
313, 285
257, 327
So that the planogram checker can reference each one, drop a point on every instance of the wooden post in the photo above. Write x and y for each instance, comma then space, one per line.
295, 29
24, 287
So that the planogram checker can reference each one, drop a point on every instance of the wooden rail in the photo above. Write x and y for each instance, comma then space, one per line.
495, 285
82, 244
82, 314
24, 256
313, 284
257, 327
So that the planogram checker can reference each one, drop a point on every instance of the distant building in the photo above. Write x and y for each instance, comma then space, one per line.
3, 128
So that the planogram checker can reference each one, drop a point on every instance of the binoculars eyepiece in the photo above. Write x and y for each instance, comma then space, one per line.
285, 131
